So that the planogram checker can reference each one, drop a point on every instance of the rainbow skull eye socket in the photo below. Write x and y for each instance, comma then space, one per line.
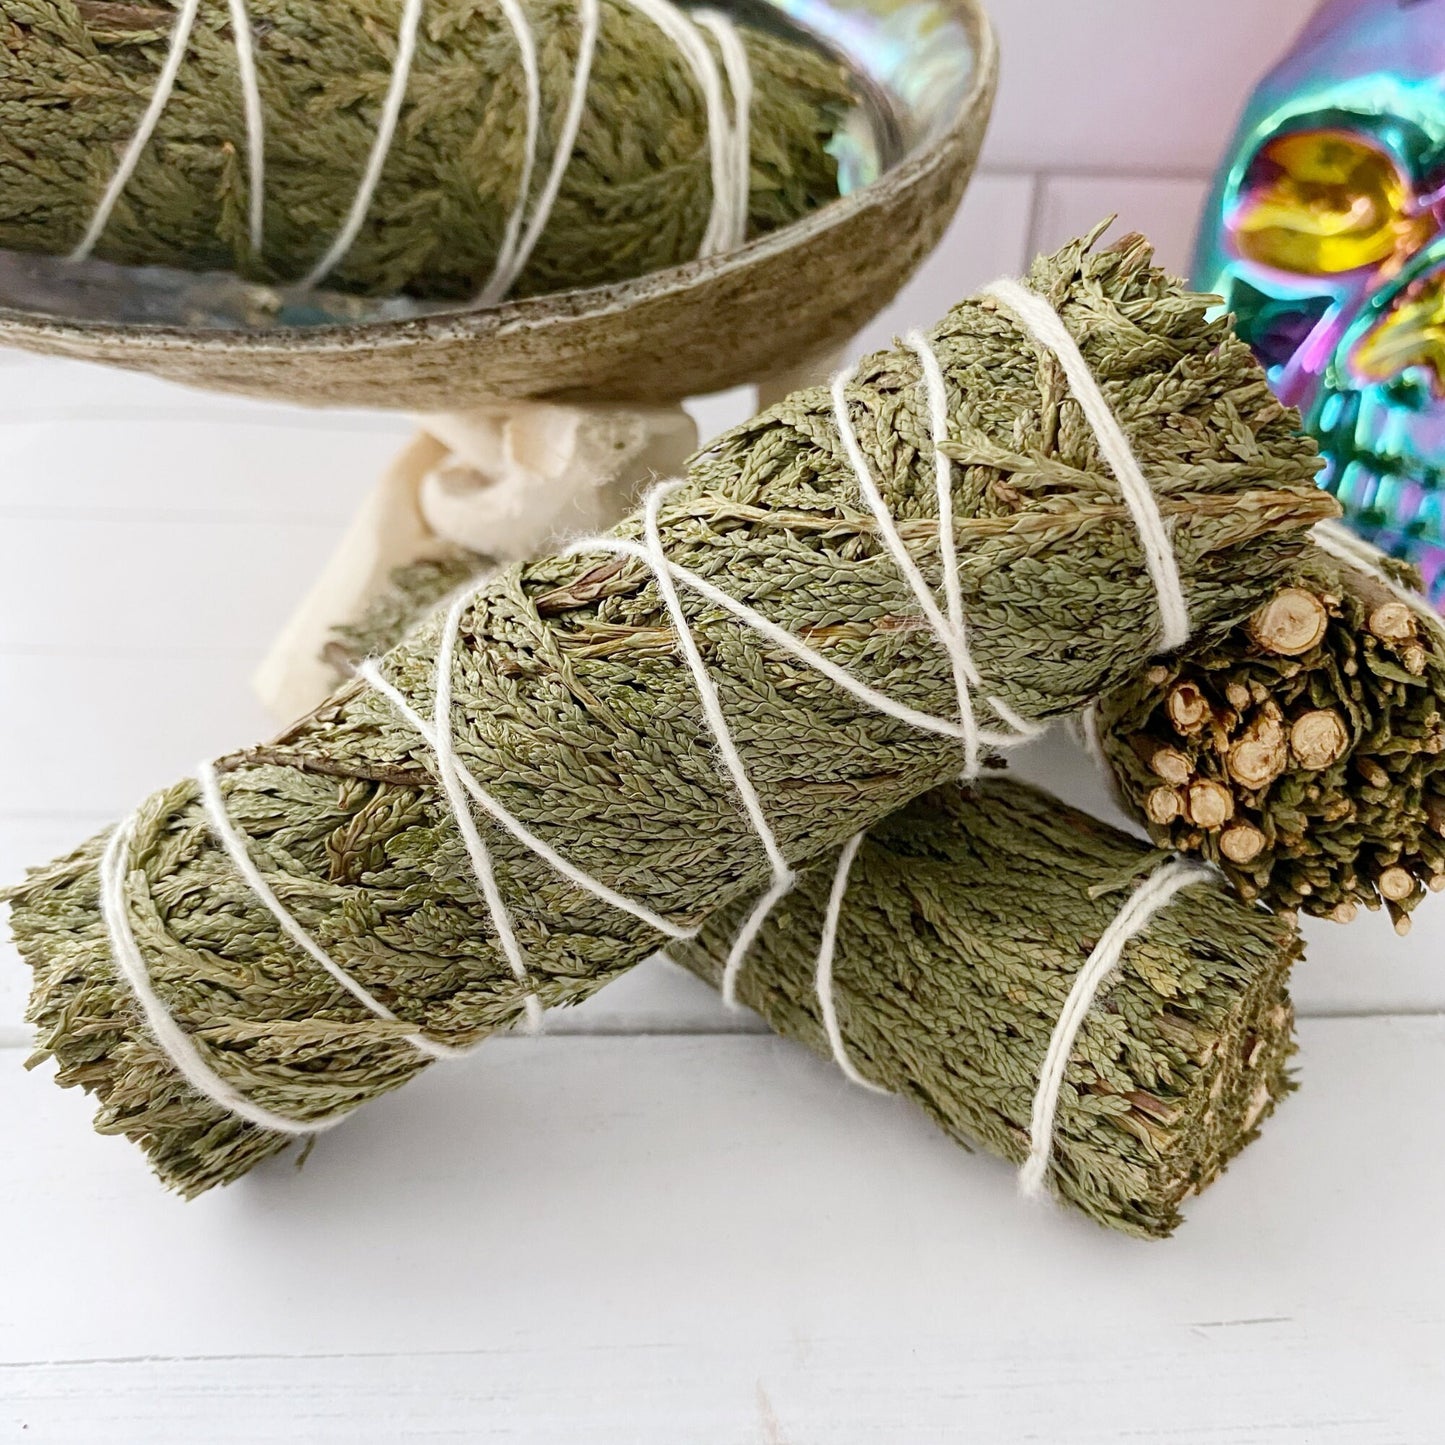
1411, 334
1325, 202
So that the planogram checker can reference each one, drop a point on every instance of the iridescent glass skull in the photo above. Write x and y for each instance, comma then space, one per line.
1326, 236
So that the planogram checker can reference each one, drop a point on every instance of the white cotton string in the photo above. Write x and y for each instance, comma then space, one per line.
130, 159
380, 148
964, 729
728, 141
718, 235
509, 261
504, 277
952, 636
1085, 730
590, 18
1345, 546
783, 875
443, 744
255, 122
965, 674
1042, 322
371, 674
449, 773
740, 81
823, 971
668, 575
188, 1059
728, 135
224, 827
478, 855
795, 647
1147, 900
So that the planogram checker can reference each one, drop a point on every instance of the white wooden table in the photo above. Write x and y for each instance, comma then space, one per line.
657, 1223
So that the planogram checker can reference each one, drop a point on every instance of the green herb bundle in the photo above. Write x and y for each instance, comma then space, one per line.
967, 916
77, 75
570, 709
1304, 752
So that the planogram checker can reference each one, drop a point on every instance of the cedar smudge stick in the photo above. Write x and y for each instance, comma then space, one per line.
1000, 879
1318, 727
570, 708
967, 917
76, 76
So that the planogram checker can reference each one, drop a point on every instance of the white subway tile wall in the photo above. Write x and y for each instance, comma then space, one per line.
1128, 87
1165, 210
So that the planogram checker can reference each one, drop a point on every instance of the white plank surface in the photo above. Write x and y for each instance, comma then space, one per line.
717, 1241
262, 465
206, 584
658, 1224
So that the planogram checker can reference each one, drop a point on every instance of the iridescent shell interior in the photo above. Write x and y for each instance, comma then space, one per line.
923, 73
912, 66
